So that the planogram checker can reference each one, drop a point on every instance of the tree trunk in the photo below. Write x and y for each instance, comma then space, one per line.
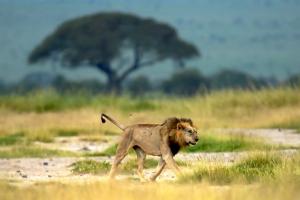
113, 85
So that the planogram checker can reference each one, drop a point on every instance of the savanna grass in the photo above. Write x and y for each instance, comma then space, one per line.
255, 168
230, 108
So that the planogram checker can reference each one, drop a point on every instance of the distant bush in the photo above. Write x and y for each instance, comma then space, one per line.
293, 81
46, 81
185, 83
231, 79
139, 86
64, 85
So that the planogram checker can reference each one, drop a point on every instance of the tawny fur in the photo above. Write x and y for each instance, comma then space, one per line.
164, 140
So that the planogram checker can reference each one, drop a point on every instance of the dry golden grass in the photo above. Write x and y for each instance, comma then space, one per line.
131, 190
228, 109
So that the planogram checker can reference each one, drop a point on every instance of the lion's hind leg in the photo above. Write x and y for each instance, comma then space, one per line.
122, 151
141, 156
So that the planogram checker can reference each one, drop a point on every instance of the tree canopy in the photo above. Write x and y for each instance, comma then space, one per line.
115, 43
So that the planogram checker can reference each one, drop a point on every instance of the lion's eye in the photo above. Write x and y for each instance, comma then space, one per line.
190, 131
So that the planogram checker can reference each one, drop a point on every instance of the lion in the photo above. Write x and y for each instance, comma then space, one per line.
163, 140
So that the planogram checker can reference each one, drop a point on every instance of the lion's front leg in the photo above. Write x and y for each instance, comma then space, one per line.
168, 156
161, 165
171, 163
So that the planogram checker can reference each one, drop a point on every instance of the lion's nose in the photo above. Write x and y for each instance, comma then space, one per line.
197, 139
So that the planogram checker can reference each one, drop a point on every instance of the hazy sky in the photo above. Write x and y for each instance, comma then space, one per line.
261, 37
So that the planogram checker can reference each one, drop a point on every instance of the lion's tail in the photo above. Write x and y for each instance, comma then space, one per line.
105, 117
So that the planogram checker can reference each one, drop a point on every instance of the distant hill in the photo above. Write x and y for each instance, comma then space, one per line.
261, 37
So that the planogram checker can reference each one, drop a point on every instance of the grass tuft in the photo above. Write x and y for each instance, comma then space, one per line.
257, 167
252, 169
90, 167
12, 139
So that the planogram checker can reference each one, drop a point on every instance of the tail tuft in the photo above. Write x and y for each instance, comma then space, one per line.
105, 117
102, 119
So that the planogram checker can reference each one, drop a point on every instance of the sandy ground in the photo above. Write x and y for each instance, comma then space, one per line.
32, 170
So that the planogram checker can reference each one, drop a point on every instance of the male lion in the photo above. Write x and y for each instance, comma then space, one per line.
162, 140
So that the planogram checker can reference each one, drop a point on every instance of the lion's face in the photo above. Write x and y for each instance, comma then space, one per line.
189, 133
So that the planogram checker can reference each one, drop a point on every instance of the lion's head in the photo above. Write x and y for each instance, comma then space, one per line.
182, 131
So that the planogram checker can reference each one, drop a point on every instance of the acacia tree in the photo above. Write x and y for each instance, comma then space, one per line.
117, 44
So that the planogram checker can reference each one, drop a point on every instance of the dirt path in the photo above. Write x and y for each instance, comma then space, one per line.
31, 170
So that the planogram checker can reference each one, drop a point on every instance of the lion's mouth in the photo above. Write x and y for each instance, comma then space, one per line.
192, 143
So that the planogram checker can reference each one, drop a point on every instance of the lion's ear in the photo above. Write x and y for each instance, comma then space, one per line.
179, 126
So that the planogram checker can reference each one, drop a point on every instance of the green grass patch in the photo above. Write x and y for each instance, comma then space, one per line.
67, 133
12, 139
252, 169
90, 167
209, 143
34, 152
